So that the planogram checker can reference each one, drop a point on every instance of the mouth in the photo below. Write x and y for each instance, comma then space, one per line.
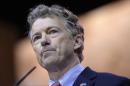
46, 51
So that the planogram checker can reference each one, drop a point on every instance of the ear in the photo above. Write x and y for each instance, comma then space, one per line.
78, 42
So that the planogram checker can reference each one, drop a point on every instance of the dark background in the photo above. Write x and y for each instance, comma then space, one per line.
15, 12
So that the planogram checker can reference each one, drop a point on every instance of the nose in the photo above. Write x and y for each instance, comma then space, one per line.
45, 41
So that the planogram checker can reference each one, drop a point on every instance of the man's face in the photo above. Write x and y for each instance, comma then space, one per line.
51, 41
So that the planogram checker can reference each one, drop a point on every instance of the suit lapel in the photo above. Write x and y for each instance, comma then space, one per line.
86, 78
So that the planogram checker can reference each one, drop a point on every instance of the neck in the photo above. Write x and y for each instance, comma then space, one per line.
56, 75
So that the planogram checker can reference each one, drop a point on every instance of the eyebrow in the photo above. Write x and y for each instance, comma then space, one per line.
52, 27
37, 33
48, 28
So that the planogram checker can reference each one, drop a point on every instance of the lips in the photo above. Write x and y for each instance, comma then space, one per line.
47, 51
44, 50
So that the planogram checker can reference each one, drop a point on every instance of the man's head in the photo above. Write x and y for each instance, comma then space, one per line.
56, 30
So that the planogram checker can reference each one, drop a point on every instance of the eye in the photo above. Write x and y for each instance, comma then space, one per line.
36, 37
52, 31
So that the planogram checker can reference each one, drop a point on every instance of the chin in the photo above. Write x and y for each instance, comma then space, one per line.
50, 64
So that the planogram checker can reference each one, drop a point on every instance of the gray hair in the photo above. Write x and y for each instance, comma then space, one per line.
70, 20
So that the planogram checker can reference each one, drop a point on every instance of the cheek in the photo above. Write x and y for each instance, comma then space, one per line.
63, 45
37, 49
55, 43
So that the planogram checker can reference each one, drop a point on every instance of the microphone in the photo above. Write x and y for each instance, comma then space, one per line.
24, 77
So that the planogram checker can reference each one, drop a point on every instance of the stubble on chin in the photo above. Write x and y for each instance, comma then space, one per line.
48, 62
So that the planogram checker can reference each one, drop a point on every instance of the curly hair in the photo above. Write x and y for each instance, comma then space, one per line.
70, 20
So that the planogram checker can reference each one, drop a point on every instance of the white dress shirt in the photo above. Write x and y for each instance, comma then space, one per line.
70, 76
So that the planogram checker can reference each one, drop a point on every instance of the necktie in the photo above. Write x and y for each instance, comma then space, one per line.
56, 84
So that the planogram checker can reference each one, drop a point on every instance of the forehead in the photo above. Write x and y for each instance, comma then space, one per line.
43, 23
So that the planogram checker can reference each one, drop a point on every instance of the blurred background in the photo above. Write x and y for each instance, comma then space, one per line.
107, 38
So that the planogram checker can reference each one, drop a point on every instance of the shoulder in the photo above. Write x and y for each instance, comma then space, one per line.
106, 79
114, 80
101, 75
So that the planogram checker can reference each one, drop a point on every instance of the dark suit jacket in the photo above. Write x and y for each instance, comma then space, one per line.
91, 78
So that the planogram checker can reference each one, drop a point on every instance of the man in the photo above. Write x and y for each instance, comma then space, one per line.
57, 38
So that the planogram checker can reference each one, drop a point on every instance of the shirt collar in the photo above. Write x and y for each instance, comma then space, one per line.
70, 76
